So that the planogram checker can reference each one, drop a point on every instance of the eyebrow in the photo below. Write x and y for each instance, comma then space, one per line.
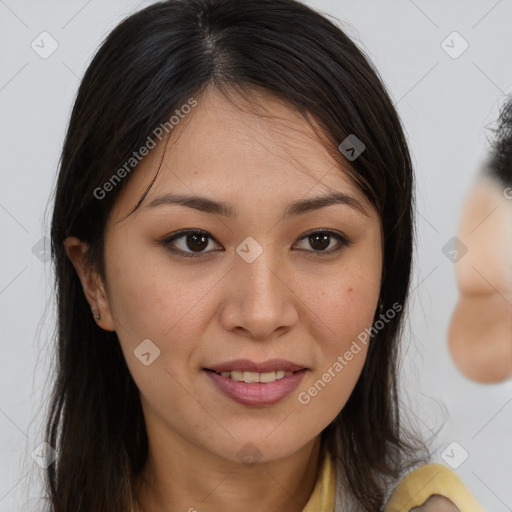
207, 205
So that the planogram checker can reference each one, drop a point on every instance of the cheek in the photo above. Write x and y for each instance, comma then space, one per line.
149, 297
344, 300
342, 346
152, 300
327, 392
343, 318
341, 323
345, 310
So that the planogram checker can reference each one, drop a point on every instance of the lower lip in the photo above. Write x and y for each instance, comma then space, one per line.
256, 393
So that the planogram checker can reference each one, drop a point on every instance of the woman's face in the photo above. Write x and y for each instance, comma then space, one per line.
260, 287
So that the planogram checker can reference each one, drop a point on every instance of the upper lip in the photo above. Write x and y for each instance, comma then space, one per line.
245, 365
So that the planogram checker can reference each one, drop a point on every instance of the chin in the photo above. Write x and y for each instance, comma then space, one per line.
263, 447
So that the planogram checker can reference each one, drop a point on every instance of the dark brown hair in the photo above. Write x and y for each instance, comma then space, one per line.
149, 65
500, 154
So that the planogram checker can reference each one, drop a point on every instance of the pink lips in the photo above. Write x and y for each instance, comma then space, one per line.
256, 393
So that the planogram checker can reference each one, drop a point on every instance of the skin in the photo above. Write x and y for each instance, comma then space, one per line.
290, 302
436, 503
480, 332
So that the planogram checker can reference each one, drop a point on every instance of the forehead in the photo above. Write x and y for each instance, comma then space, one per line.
254, 151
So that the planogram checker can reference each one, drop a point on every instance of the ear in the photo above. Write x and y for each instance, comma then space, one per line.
94, 288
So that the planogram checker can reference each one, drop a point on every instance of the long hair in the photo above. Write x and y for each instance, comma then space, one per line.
147, 67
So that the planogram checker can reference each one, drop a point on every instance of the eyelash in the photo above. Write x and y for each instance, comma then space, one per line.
342, 240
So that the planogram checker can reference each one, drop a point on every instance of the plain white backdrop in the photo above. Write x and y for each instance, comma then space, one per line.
448, 97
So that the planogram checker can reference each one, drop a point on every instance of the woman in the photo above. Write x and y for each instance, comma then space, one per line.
234, 205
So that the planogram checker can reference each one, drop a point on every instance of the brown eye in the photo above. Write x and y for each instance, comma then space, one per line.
193, 245
195, 241
319, 241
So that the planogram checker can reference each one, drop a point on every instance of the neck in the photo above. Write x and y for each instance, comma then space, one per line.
189, 479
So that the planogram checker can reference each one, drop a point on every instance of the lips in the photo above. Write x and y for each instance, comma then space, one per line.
245, 365
256, 384
256, 394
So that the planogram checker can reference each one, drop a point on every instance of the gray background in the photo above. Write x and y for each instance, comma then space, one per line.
447, 106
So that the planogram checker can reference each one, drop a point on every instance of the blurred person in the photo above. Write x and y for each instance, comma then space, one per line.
480, 331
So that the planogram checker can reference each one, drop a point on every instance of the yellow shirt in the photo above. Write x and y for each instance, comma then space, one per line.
413, 490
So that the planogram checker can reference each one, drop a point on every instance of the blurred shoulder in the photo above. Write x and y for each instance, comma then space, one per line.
432, 488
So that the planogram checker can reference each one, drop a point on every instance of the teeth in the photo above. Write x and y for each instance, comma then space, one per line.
250, 377
268, 377
237, 376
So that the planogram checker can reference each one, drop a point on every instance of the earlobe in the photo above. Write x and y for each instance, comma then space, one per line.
103, 310
92, 284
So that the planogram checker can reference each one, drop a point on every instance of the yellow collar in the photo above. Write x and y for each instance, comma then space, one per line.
412, 491
322, 497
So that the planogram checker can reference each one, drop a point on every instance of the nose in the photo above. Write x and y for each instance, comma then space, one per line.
259, 300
